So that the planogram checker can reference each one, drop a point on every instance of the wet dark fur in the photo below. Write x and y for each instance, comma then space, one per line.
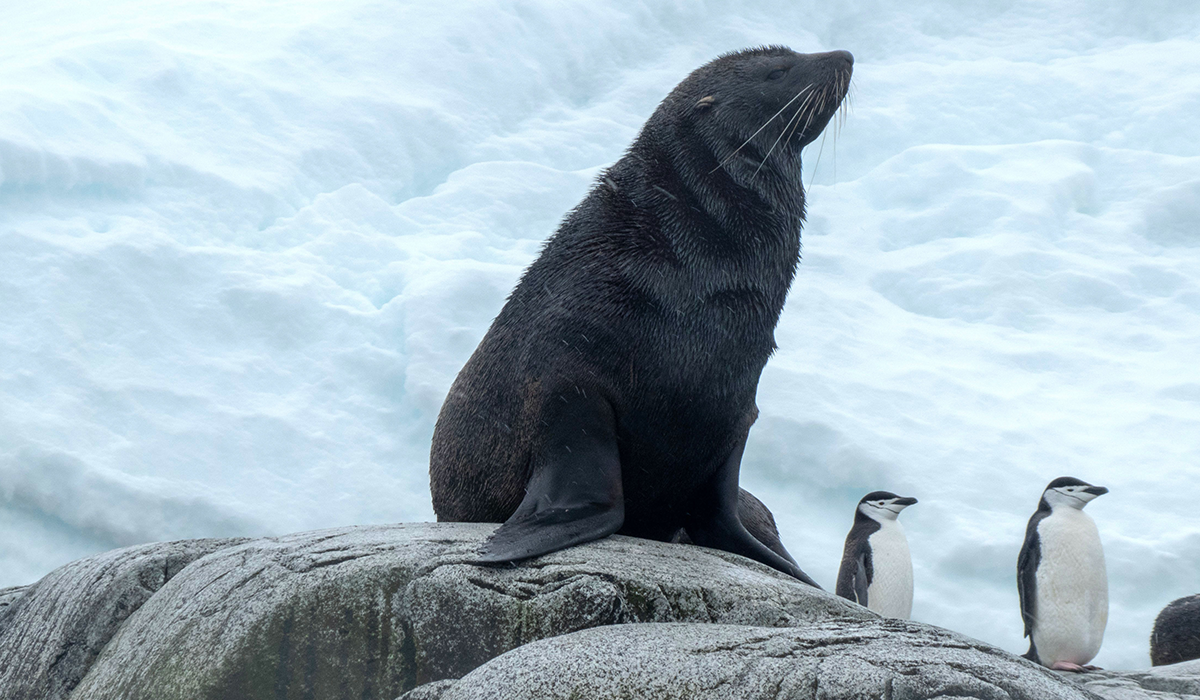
622, 370
1176, 635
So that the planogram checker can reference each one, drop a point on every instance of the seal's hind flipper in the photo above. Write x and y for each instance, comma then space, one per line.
550, 530
575, 494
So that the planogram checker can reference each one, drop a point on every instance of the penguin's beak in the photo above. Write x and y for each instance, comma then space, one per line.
1096, 490
905, 501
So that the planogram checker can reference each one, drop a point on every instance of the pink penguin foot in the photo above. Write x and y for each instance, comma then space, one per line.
1090, 667
1068, 666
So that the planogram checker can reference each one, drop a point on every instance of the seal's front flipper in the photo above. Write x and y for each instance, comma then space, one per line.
575, 494
730, 535
713, 520
758, 521
549, 530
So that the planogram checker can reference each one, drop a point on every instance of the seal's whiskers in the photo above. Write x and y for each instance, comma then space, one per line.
756, 133
801, 112
816, 164
808, 120
783, 131
840, 90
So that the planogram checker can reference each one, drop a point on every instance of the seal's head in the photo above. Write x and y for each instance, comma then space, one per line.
760, 104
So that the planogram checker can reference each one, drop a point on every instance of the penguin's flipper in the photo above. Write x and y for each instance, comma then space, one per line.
1027, 564
575, 494
860, 580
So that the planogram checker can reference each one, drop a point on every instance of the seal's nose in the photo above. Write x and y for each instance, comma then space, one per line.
844, 55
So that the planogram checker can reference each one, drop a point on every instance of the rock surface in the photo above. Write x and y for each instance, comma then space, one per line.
1179, 681
430, 691
373, 612
8, 596
52, 631
828, 660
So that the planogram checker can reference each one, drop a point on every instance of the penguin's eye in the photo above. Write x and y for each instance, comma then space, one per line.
776, 74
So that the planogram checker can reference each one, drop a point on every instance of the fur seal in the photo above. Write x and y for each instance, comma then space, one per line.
1176, 635
615, 389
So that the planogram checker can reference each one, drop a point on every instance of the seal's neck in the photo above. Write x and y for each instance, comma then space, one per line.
722, 212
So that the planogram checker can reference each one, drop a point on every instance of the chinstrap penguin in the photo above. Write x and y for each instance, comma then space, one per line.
876, 569
1061, 578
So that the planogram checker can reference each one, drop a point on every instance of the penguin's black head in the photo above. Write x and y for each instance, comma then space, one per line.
1069, 491
883, 505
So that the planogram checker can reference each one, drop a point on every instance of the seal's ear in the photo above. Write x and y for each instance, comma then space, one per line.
705, 103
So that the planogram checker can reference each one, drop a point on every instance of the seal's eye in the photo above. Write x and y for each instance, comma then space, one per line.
776, 74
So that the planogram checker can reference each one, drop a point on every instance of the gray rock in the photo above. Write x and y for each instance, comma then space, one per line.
830, 660
9, 596
1184, 669
372, 612
1171, 682
52, 631
429, 691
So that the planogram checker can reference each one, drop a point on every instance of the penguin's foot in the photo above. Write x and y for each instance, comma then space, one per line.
1090, 667
1068, 666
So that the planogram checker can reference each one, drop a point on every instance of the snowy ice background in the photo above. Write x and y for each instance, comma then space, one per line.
245, 247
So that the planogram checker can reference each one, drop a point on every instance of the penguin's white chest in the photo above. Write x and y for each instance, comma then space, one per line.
891, 589
1072, 589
